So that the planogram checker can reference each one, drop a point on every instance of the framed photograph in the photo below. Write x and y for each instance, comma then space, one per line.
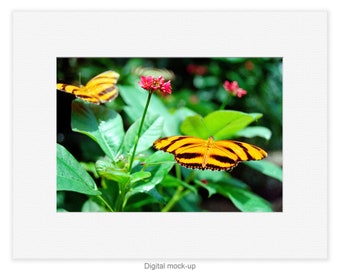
184, 107
170, 139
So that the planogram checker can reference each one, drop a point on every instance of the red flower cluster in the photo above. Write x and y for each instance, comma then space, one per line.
153, 84
234, 89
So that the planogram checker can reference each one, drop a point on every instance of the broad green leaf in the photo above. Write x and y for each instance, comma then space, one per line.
72, 176
103, 125
157, 174
151, 130
219, 124
92, 206
245, 200
266, 168
195, 126
250, 132
224, 124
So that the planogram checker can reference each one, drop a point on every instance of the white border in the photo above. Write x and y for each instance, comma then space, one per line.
299, 232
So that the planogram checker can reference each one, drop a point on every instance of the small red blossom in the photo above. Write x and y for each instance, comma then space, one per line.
234, 89
204, 181
153, 84
196, 69
166, 88
249, 65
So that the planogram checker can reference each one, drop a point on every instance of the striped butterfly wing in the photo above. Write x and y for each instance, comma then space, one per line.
243, 151
227, 153
100, 89
187, 150
201, 154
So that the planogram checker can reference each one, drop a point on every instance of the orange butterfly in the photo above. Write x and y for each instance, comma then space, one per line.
202, 154
99, 89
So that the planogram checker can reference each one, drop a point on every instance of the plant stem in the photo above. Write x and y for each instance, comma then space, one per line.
139, 131
178, 171
179, 194
224, 102
120, 198
105, 202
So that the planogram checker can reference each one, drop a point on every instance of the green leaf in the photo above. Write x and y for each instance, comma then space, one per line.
211, 189
159, 158
107, 170
250, 132
195, 126
91, 206
220, 178
90, 167
215, 180
224, 124
110, 192
245, 200
72, 176
157, 174
156, 196
103, 125
219, 124
266, 168
138, 176
151, 130
144, 199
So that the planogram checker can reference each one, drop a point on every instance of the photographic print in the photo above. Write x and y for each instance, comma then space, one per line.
189, 141
169, 134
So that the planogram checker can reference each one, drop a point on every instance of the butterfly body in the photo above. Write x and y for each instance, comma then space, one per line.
196, 153
100, 89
